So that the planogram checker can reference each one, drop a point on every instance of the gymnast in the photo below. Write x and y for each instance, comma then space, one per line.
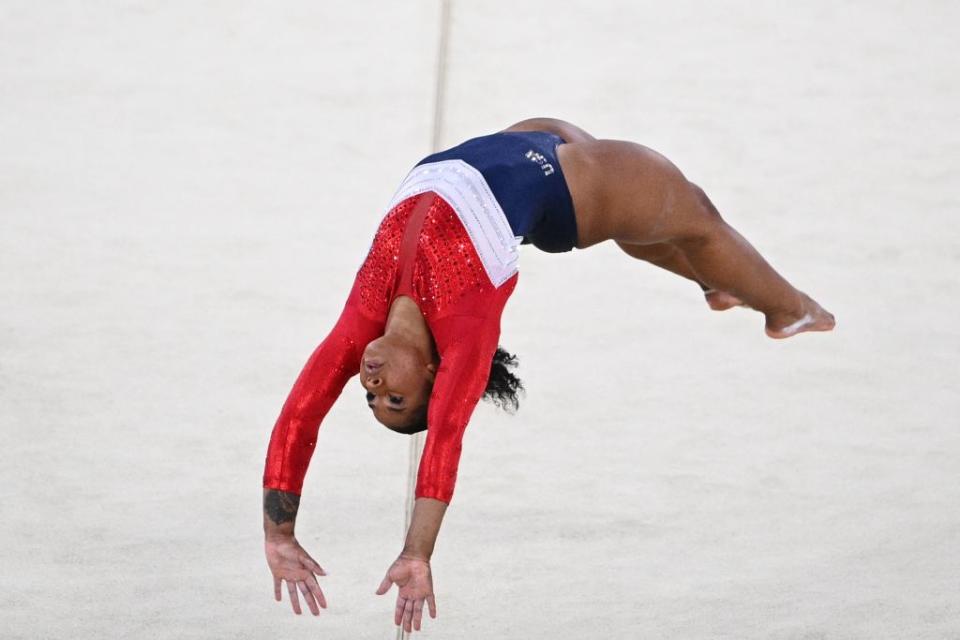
422, 321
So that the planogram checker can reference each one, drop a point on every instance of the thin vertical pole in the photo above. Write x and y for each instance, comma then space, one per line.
439, 94
417, 440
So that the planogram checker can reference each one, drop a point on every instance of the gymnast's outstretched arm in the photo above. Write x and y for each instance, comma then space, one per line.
460, 383
292, 443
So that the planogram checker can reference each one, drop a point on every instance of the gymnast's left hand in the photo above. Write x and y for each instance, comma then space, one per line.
415, 581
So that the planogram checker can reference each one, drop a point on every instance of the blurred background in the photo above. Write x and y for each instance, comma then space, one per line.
186, 192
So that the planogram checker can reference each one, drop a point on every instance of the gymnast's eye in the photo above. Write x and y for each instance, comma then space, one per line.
396, 399
369, 397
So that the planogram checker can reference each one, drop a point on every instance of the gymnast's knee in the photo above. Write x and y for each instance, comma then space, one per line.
702, 221
703, 203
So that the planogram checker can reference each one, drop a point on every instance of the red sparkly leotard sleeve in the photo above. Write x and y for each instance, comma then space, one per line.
332, 364
466, 344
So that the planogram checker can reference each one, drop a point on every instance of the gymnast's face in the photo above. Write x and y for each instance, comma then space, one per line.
398, 382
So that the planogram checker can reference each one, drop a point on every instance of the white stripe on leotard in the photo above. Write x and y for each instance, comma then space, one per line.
467, 192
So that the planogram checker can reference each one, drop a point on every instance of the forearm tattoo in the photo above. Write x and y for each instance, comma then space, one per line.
281, 506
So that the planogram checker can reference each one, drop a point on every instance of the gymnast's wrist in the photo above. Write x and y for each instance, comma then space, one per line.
279, 514
277, 534
414, 554
417, 547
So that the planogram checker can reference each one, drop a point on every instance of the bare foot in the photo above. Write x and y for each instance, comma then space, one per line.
721, 300
813, 317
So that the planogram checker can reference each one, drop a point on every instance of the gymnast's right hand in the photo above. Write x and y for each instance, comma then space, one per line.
289, 561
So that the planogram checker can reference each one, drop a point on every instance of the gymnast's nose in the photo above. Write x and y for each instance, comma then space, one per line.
374, 382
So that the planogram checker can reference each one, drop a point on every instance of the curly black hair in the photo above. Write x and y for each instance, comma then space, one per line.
503, 389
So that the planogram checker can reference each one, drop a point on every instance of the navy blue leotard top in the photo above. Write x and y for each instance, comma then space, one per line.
522, 171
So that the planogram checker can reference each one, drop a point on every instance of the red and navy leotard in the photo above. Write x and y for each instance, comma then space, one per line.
447, 243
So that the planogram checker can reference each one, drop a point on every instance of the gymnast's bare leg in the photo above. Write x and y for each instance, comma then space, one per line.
628, 193
647, 201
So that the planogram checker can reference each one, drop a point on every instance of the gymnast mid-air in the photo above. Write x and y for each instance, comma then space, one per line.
422, 321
